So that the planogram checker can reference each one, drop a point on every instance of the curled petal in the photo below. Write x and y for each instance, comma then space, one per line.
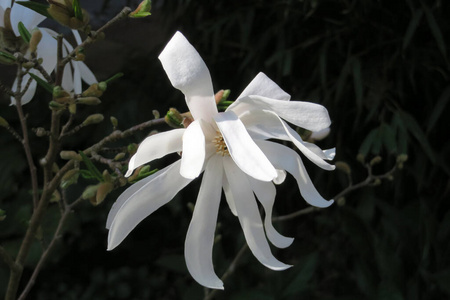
261, 85
281, 176
267, 124
249, 217
30, 91
193, 151
307, 115
188, 72
287, 159
200, 236
150, 196
265, 192
243, 149
156, 146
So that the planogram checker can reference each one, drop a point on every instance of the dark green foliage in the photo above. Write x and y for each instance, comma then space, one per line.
382, 70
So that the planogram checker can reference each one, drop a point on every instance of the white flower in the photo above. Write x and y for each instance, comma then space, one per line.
46, 49
235, 158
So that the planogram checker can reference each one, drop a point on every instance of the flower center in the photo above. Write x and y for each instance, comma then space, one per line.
219, 143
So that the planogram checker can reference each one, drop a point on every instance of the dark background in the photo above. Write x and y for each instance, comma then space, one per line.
376, 65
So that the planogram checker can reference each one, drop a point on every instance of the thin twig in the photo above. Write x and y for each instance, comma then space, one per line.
6, 90
7, 258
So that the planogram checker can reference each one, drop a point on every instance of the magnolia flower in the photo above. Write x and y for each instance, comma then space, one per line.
10, 41
232, 150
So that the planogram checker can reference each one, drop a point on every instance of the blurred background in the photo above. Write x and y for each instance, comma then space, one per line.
381, 68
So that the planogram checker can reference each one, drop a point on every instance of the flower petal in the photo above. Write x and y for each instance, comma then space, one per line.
249, 217
46, 50
307, 115
267, 124
188, 72
287, 159
229, 196
28, 17
156, 146
200, 236
262, 85
193, 151
86, 74
281, 176
149, 197
265, 192
243, 149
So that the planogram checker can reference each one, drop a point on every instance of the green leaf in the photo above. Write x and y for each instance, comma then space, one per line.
37, 7
300, 282
414, 128
77, 10
434, 27
47, 86
358, 82
438, 109
24, 33
91, 167
388, 138
415, 20
368, 141
7, 58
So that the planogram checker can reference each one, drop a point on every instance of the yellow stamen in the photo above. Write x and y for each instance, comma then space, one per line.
219, 143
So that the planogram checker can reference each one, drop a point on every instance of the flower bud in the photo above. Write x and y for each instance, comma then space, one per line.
40, 132
68, 13
3, 123
28, 65
143, 170
69, 178
132, 148
341, 201
95, 90
103, 190
344, 167
2, 214
361, 158
73, 108
56, 106
119, 156
156, 114
106, 176
218, 96
90, 191
68, 155
173, 118
376, 160
89, 101
93, 119
376, 182
142, 10
36, 37
59, 92
114, 122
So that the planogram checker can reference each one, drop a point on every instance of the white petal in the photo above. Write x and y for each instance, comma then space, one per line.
229, 196
193, 151
46, 50
156, 146
330, 153
265, 192
200, 236
287, 159
281, 176
320, 135
243, 149
86, 74
151, 196
127, 194
28, 17
268, 124
249, 217
188, 72
76, 78
307, 115
261, 85
77, 36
